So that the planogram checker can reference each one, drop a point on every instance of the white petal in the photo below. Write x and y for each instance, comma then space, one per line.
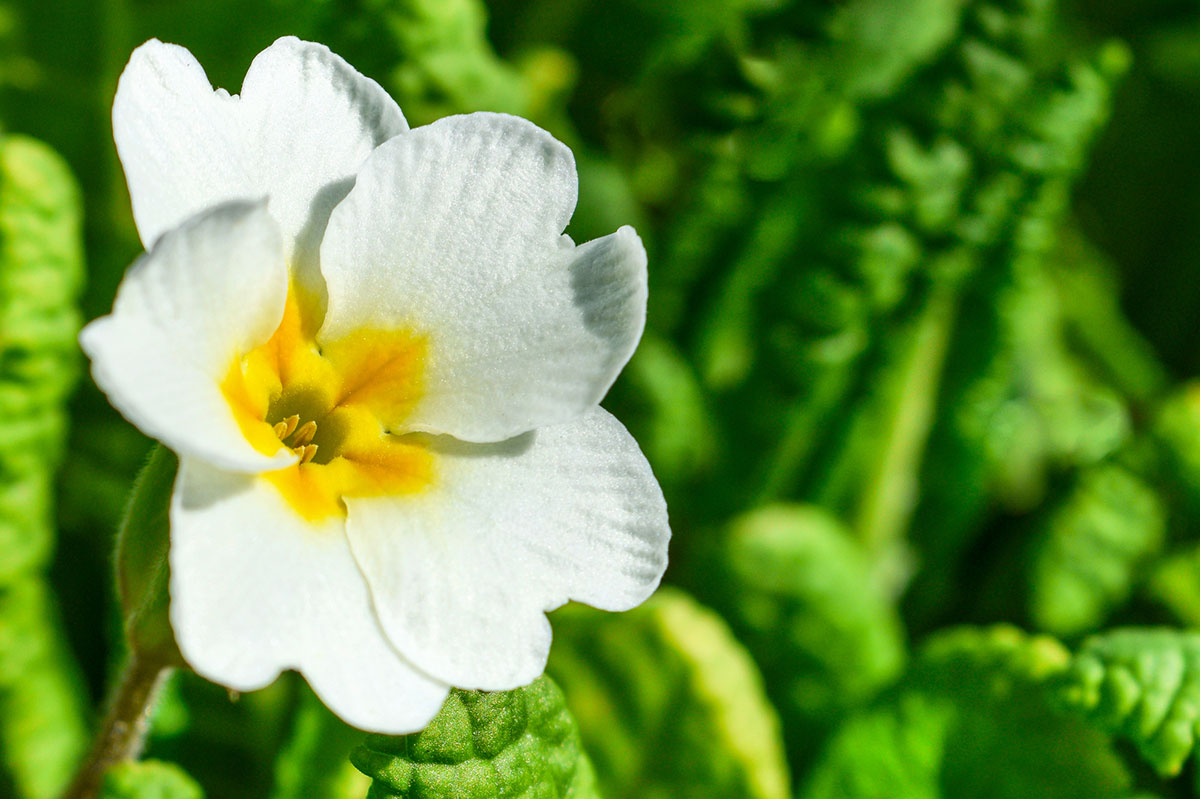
454, 230
462, 573
255, 589
207, 293
298, 133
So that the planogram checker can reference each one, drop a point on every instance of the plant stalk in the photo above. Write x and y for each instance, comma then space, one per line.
123, 732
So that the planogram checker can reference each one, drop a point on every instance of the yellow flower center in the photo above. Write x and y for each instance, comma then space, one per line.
332, 405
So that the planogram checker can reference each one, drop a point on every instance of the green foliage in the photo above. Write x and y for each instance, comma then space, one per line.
1177, 432
521, 743
314, 763
42, 728
41, 269
1143, 685
149, 779
443, 62
143, 570
434, 58
803, 599
878, 44
1091, 547
670, 672
972, 718
912, 361
1175, 584
667, 411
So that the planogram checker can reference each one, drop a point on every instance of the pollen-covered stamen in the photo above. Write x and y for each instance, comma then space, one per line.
331, 406
287, 426
304, 435
298, 437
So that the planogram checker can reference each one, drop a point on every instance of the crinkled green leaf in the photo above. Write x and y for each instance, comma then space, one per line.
804, 601
967, 182
149, 779
42, 723
1020, 402
1143, 685
668, 672
41, 268
1091, 547
521, 743
972, 718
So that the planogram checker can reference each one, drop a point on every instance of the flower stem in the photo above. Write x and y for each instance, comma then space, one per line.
124, 729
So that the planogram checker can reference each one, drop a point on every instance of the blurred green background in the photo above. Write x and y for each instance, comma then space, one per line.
918, 382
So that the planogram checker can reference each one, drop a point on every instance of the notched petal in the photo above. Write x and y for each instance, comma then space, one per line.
207, 292
462, 573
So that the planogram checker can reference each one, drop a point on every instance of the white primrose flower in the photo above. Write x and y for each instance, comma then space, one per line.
379, 360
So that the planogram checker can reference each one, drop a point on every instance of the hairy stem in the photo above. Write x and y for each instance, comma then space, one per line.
124, 729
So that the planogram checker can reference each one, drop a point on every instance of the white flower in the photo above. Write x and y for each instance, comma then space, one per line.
379, 361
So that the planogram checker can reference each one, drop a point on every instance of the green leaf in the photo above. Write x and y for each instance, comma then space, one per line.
41, 268
1177, 432
433, 57
149, 779
802, 597
521, 743
972, 718
314, 762
143, 569
661, 402
42, 720
668, 672
1091, 547
1175, 584
1143, 685
878, 43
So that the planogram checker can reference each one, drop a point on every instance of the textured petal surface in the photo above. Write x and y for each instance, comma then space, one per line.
207, 292
462, 573
454, 231
299, 131
255, 590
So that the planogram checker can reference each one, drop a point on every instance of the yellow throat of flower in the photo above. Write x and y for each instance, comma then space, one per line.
333, 406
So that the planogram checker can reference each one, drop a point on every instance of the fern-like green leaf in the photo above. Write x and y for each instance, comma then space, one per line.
669, 672
1144, 685
41, 269
42, 725
1091, 547
973, 717
149, 779
802, 598
522, 744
